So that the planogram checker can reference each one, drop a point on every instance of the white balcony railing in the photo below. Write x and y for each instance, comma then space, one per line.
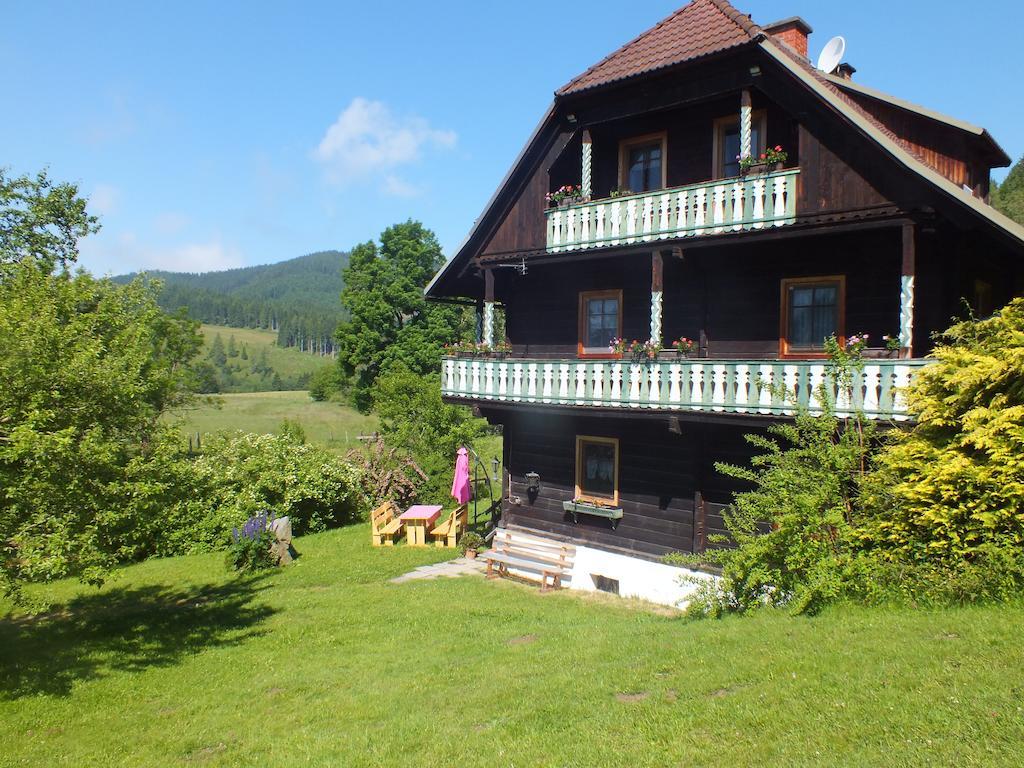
764, 387
729, 205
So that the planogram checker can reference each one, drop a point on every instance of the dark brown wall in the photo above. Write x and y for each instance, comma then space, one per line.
659, 474
730, 293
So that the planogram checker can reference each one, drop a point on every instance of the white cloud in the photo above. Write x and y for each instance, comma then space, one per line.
170, 222
393, 185
103, 200
368, 138
125, 253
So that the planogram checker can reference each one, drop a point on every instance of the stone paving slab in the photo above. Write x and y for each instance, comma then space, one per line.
460, 566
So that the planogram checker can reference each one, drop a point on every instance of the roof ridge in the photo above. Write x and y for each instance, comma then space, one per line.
723, 7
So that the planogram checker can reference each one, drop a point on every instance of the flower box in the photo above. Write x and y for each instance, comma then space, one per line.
576, 508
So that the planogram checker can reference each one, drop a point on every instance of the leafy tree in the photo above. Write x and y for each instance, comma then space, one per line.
89, 368
41, 221
414, 417
325, 382
1008, 197
390, 321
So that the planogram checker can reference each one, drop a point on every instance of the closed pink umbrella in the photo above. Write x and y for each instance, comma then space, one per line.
460, 485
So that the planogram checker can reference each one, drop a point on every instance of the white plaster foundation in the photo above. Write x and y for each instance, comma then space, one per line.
656, 582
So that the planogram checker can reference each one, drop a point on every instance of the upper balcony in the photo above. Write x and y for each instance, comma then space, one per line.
755, 387
748, 202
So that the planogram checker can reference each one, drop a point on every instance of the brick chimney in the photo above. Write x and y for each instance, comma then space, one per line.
791, 32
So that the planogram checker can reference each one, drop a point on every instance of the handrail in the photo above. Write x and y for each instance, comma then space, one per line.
758, 387
742, 203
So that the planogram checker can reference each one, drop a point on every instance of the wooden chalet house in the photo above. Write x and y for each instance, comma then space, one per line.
877, 222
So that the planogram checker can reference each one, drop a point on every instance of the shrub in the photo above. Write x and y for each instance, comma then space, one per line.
949, 492
414, 416
250, 545
326, 382
387, 474
791, 534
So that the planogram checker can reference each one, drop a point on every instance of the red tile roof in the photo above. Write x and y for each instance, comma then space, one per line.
698, 29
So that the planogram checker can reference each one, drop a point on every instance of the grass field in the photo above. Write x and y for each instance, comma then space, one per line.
331, 424
327, 664
290, 364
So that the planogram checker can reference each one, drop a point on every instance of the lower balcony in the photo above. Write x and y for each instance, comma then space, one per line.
714, 207
764, 387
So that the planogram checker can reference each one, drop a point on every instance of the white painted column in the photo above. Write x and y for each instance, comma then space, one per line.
746, 124
487, 334
586, 176
657, 297
907, 293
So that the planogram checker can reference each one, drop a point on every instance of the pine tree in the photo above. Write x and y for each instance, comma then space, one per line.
217, 354
232, 346
1008, 197
245, 352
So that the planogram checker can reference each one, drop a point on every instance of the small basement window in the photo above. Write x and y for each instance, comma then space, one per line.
597, 469
812, 310
605, 584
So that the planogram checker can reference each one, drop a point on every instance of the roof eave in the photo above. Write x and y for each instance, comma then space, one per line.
944, 185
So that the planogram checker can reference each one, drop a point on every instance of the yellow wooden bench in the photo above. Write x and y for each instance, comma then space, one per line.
448, 532
384, 524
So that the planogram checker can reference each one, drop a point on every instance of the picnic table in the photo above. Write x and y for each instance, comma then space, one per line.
417, 519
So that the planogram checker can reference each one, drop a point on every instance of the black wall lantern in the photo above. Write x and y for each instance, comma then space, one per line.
532, 483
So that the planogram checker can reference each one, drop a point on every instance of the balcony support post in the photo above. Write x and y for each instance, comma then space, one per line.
657, 297
586, 185
907, 273
746, 124
487, 329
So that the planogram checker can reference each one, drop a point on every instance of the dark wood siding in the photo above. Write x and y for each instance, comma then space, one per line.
659, 475
730, 295
955, 154
828, 183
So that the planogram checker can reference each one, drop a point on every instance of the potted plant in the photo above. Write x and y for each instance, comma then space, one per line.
892, 345
618, 346
502, 349
684, 346
620, 192
774, 158
471, 544
564, 196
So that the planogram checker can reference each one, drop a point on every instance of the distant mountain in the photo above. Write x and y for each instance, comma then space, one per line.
299, 298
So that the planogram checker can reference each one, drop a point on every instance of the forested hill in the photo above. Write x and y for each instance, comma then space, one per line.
298, 298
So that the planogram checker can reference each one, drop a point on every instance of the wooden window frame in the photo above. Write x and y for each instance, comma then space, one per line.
758, 117
649, 138
614, 441
784, 285
581, 330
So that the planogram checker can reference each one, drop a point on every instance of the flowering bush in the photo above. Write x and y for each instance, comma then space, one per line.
566, 192
250, 548
684, 346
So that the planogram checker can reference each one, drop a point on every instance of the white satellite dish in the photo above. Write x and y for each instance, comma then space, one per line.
832, 54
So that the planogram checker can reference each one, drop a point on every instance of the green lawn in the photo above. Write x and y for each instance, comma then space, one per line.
327, 664
331, 424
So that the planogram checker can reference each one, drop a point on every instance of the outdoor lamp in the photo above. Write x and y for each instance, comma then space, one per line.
532, 482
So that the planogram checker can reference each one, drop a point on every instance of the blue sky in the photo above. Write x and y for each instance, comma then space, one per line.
212, 135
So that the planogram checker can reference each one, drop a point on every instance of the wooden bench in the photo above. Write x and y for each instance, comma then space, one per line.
448, 532
531, 554
384, 524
